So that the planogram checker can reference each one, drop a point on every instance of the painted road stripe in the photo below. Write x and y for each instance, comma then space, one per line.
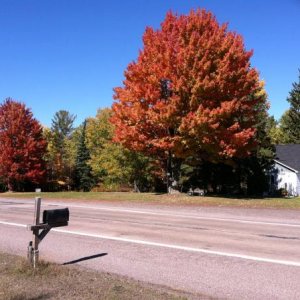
145, 212
115, 209
12, 224
184, 248
170, 246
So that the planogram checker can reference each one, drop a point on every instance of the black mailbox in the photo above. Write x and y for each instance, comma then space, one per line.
56, 217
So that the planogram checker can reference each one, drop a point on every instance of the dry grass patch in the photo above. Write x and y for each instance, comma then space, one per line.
18, 281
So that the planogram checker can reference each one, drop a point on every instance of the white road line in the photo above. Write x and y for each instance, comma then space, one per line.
115, 209
178, 247
171, 246
12, 224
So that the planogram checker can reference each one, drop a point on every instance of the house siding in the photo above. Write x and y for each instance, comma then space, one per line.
286, 179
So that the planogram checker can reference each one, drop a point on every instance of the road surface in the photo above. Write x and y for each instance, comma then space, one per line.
226, 253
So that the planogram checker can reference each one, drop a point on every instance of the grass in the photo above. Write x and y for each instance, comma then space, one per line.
181, 199
18, 281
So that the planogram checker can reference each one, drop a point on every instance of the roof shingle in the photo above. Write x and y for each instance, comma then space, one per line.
289, 155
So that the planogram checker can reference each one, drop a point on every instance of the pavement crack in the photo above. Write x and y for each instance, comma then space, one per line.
156, 224
280, 237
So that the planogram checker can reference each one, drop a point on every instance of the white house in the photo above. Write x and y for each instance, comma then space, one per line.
286, 171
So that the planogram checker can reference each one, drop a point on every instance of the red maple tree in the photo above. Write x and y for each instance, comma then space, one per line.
191, 92
22, 146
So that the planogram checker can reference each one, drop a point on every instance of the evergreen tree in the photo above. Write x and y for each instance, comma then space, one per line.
83, 171
62, 161
62, 124
291, 126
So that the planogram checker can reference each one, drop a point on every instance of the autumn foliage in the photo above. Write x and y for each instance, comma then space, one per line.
22, 146
191, 92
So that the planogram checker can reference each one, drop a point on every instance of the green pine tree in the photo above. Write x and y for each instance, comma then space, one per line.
60, 159
83, 171
62, 127
291, 126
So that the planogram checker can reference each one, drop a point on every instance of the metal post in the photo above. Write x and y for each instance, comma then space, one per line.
36, 221
51, 218
29, 253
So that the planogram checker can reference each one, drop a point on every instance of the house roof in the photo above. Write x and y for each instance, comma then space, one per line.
289, 155
287, 167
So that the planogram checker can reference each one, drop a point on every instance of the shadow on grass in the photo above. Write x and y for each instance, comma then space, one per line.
226, 196
242, 197
23, 296
84, 258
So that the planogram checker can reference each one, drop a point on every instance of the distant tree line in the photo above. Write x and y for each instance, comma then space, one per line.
67, 158
64, 157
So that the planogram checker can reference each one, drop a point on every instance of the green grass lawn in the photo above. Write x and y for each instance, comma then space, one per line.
181, 199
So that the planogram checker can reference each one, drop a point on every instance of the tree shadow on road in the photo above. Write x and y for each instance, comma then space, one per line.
84, 258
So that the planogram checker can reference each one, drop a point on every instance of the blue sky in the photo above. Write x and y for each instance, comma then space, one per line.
59, 54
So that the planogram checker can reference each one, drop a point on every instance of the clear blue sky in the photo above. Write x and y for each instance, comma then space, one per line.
69, 54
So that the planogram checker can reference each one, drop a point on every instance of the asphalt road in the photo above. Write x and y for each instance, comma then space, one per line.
223, 253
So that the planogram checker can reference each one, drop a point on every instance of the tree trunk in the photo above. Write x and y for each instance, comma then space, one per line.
173, 174
136, 188
10, 186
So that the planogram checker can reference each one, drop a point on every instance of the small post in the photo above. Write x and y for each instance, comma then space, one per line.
36, 221
29, 253
51, 218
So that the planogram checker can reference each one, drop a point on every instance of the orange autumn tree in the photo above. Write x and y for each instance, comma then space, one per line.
22, 147
191, 93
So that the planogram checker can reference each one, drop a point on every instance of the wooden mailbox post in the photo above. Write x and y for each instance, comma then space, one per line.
51, 218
